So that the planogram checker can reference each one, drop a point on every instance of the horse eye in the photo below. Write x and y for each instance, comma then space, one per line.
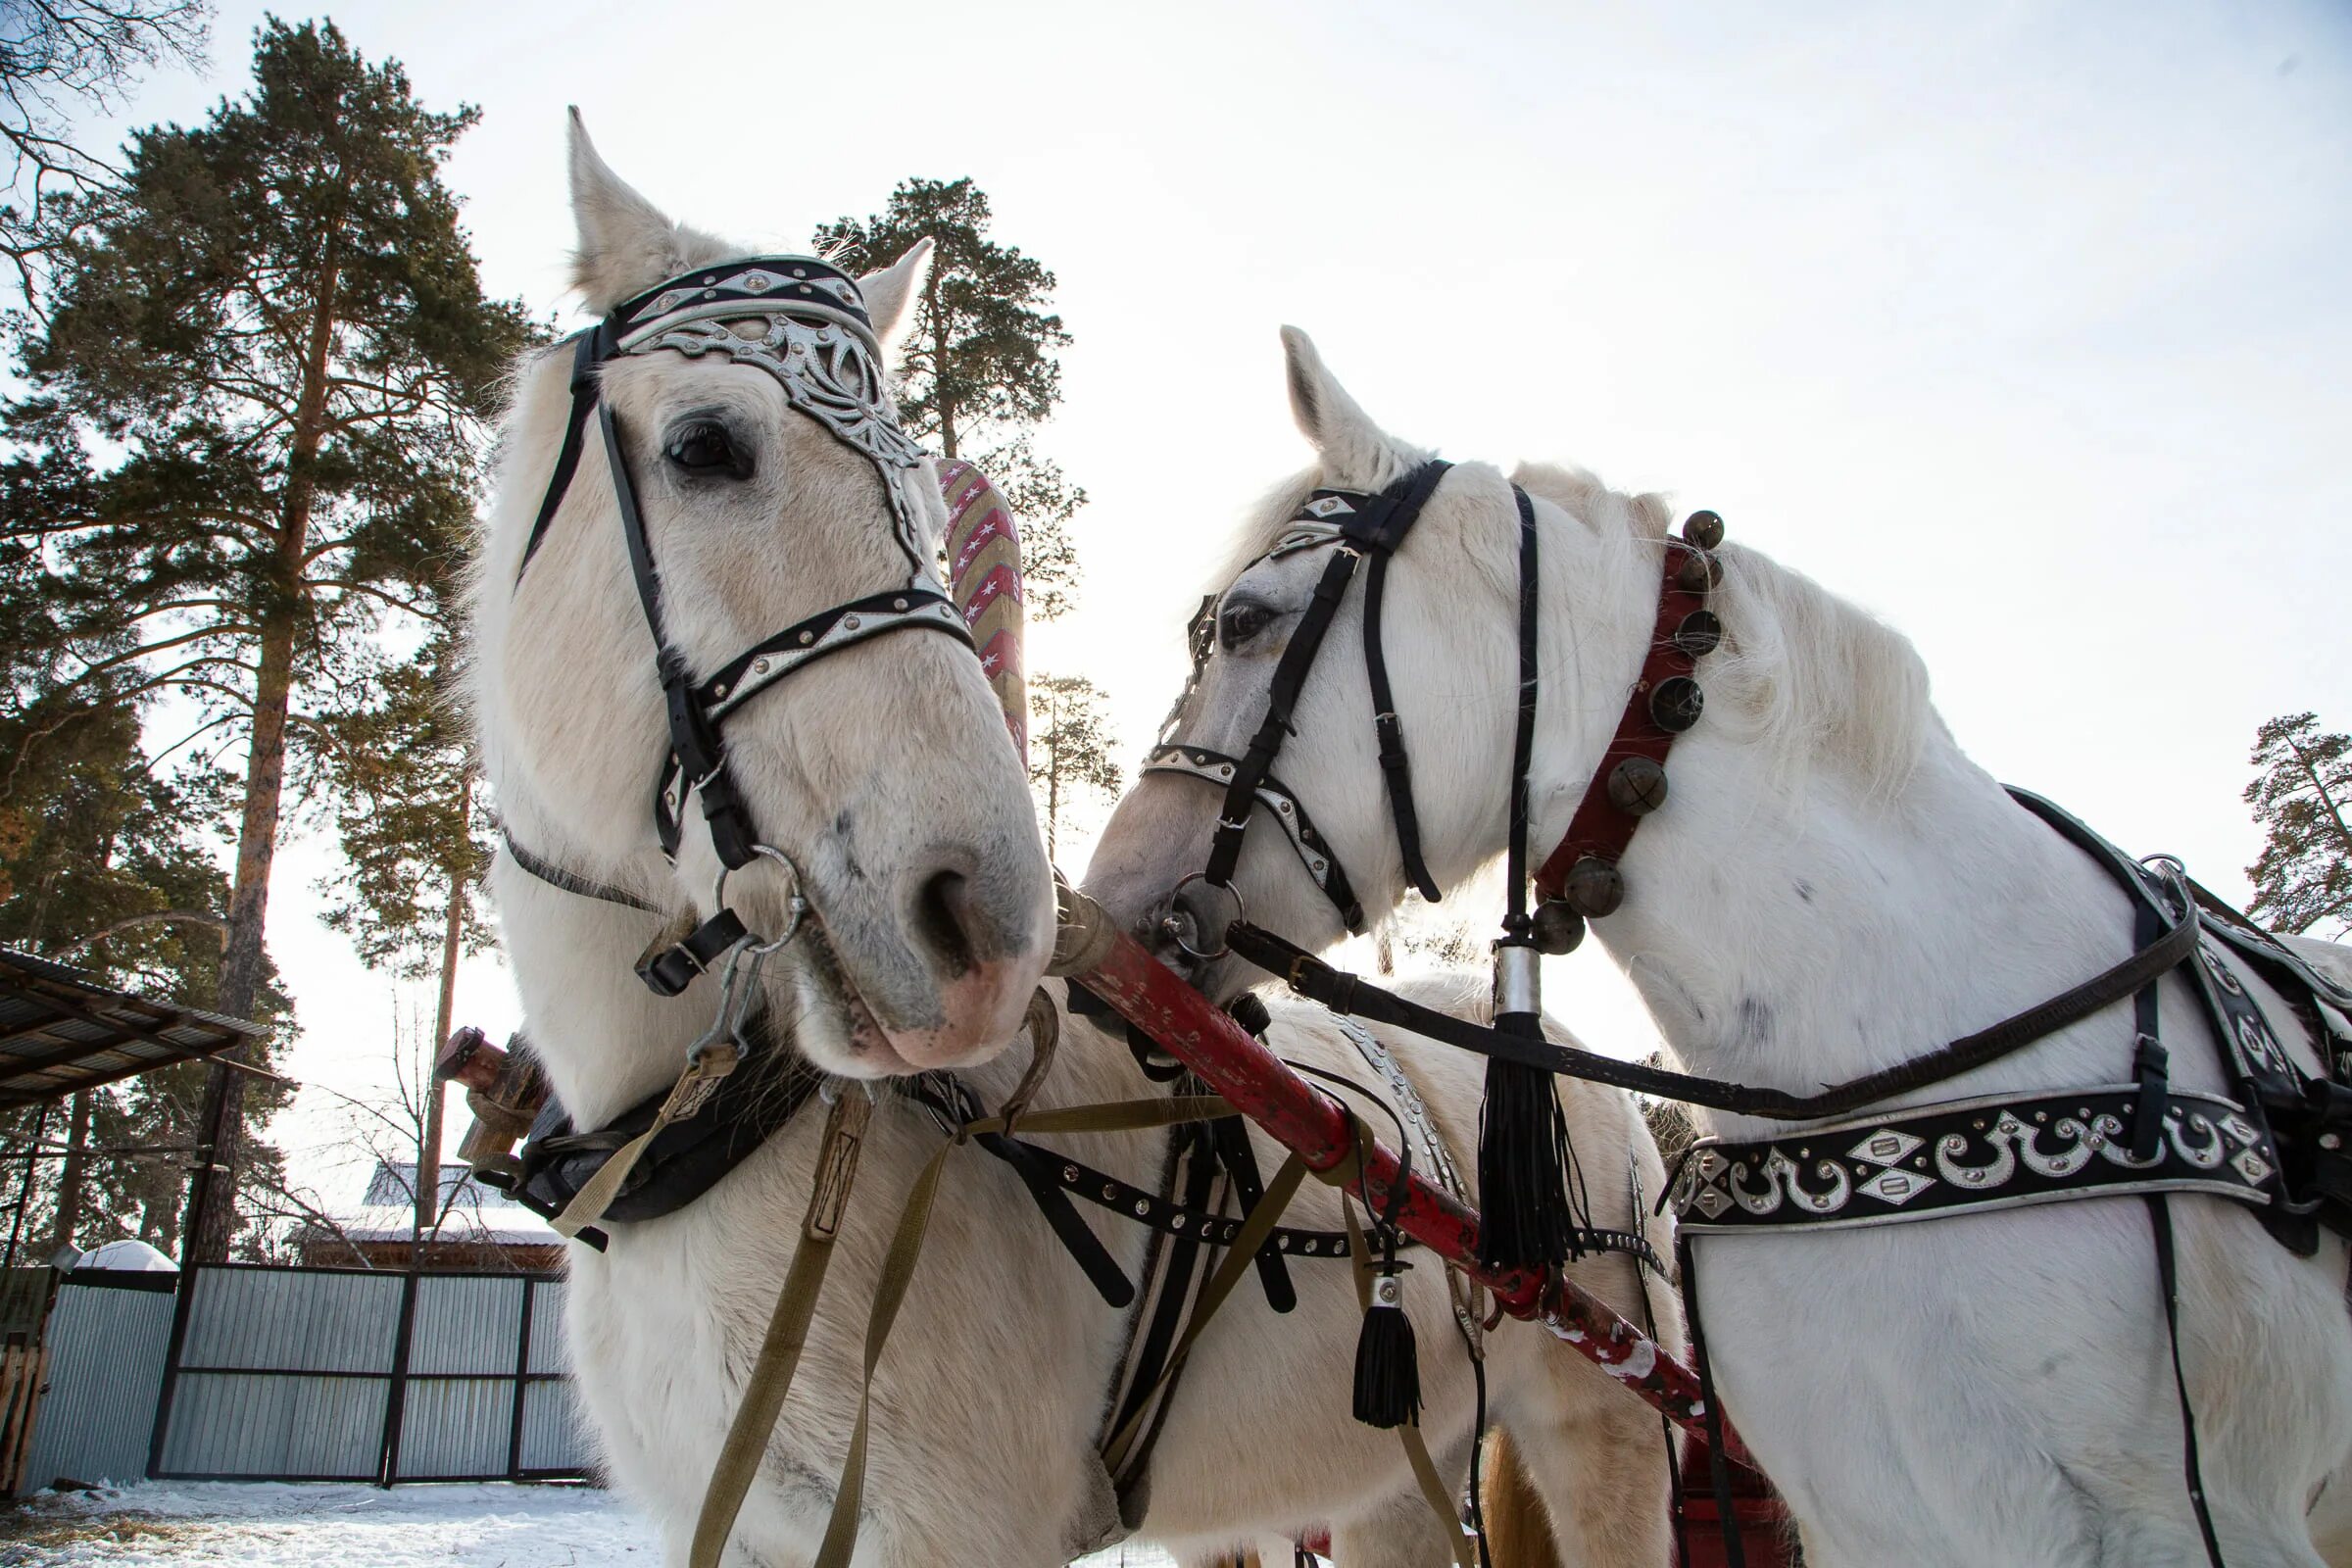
1243, 621
704, 448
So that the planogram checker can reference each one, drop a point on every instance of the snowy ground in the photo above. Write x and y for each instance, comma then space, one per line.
277, 1526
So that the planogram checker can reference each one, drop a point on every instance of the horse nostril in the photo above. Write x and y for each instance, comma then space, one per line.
943, 917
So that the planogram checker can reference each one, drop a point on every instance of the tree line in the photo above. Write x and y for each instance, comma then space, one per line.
239, 473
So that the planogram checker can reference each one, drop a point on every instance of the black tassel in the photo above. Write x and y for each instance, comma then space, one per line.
1524, 1217
1387, 1364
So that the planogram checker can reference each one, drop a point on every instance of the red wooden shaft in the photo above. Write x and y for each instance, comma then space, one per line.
1313, 1125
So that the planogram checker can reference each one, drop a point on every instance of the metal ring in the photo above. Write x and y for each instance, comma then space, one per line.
1175, 928
796, 907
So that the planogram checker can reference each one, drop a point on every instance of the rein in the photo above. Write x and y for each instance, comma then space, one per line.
1346, 993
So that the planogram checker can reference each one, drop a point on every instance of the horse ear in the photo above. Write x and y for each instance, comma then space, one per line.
1353, 447
626, 244
891, 292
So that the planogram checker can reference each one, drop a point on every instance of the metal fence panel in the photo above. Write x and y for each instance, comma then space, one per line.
241, 1426
465, 1323
555, 1441
456, 1429
550, 1349
293, 1320
107, 1344
340, 1374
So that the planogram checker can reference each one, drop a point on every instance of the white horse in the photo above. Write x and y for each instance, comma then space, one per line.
880, 772
1832, 886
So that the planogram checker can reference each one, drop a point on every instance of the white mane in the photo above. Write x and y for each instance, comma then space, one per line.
1807, 677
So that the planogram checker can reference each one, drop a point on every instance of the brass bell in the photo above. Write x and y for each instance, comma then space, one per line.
1593, 888
1638, 786
1700, 634
1703, 528
1557, 928
1677, 704
1695, 572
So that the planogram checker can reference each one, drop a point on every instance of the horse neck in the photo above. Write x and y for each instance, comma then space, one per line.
1794, 938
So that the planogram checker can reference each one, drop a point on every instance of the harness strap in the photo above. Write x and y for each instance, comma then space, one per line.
1314, 852
1346, 993
554, 876
1719, 1461
2148, 1049
1290, 676
2160, 1219
1393, 765
771, 1374
589, 349
1230, 1269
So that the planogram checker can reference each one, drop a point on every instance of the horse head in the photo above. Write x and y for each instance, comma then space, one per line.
1336, 843
709, 496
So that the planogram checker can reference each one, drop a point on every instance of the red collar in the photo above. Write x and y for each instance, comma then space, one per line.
1629, 781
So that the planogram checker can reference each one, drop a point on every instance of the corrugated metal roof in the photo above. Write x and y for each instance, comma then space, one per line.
61, 1030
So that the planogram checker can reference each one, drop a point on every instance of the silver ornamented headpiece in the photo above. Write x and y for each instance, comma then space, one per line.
803, 322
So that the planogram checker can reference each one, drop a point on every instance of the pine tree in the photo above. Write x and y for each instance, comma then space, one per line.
416, 842
277, 323
1069, 745
2301, 795
976, 371
106, 866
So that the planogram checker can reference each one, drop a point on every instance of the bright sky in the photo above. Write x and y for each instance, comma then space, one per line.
2024, 327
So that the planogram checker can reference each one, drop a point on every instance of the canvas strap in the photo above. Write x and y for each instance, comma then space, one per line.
770, 1380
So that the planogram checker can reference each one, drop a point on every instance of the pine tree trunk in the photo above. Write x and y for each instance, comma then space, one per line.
2343, 834
73, 1175
942, 399
211, 1195
428, 1145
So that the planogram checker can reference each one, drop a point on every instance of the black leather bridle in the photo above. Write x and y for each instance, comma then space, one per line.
1359, 527
810, 331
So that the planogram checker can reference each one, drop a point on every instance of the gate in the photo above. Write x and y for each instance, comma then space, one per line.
319, 1374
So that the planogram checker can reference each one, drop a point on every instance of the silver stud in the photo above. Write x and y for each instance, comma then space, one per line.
1142, 1207
758, 666
806, 638
719, 691
850, 624
898, 604
1070, 1173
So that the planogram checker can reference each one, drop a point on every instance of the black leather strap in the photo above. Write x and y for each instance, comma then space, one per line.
1384, 535
1515, 923
1314, 850
589, 350
1346, 993
685, 1159
572, 882
1290, 677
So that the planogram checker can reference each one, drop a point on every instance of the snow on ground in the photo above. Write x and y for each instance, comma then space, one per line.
272, 1525
269, 1525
